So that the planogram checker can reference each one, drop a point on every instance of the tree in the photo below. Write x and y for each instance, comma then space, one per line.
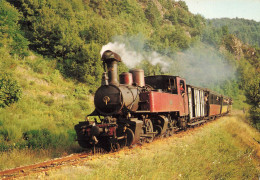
10, 91
150, 69
153, 14
10, 34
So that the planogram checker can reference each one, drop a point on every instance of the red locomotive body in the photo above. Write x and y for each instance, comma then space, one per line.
164, 102
168, 98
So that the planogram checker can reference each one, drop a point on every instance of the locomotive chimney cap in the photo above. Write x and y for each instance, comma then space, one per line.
110, 55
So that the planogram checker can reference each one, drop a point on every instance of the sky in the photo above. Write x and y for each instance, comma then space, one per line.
247, 9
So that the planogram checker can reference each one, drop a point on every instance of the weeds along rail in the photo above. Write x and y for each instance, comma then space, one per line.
44, 166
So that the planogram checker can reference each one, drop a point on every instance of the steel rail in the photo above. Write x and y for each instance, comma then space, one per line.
23, 171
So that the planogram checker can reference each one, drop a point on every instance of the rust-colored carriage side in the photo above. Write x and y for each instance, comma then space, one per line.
215, 104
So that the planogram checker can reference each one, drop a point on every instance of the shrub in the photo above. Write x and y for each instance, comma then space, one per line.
10, 33
255, 116
44, 138
38, 138
4, 135
10, 91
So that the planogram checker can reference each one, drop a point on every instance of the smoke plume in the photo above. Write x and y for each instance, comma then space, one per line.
200, 65
132, 58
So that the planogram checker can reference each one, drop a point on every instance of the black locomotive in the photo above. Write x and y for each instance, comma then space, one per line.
140, 108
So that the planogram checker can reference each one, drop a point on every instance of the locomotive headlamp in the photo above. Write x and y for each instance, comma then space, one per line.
106, 99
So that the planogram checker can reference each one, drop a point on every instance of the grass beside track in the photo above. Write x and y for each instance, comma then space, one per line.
224, 149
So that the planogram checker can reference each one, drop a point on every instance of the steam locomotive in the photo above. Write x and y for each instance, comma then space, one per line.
137, 109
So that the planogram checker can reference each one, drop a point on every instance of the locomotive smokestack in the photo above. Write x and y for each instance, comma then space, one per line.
111, 59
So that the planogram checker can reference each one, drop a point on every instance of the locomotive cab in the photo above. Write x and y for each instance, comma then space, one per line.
166, 95
163, 83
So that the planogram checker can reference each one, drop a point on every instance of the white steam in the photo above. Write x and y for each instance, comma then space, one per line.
132, 58
200, 65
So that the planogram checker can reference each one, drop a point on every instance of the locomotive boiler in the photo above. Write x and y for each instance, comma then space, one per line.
137, 109
114, 103
112, 97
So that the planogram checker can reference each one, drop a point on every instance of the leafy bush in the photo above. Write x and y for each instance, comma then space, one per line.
10, 91
38, 138
87, 66
255, 116
4, 135
10, 33
44, 138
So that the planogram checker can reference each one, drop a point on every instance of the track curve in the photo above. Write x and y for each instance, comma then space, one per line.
42, 167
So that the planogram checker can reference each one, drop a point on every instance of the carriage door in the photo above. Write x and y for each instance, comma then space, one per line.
190, 102
197, 102
202, 108
182, 87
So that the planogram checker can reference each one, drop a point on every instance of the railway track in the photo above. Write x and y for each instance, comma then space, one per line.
44, 166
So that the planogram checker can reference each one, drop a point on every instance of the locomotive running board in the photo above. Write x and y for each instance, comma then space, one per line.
196, 123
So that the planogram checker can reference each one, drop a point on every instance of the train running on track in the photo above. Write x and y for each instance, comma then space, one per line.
137, 109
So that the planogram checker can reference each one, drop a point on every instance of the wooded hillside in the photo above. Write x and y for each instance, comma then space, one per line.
50, 60
244, 29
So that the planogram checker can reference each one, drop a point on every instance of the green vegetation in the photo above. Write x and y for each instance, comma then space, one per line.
11, 36
250, 83
10, 91
246, 30
224, 149
50, 61
74, 31
50, 106
244, 58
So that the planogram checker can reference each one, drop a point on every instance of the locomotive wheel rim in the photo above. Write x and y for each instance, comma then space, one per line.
129, 137
158, 129
115, 147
